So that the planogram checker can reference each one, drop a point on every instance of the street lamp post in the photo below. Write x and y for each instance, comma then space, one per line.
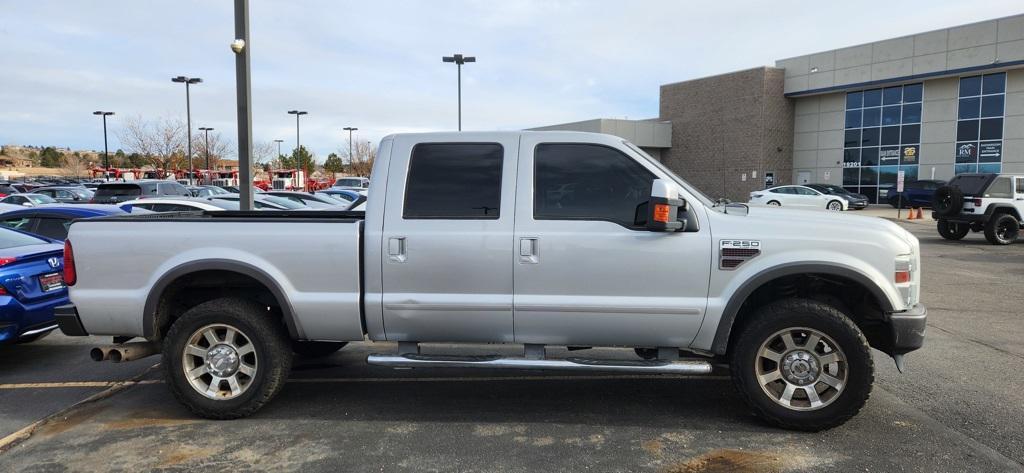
350, 129
298, 165
459, 60
188, 115
106, 158
206, 132
279, 147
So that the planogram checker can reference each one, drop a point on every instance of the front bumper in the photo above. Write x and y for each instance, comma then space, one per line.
68, 320
907, 329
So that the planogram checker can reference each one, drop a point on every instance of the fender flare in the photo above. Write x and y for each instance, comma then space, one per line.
158, 289
721, 341
992, 208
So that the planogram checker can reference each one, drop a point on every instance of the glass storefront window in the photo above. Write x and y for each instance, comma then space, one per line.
979, 126
883, 136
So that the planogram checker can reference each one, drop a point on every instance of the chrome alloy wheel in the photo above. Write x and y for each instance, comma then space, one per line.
835, 205
801, 369
219, 361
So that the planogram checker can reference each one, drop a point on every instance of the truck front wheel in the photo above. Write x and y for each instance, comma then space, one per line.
226, 358
802, 365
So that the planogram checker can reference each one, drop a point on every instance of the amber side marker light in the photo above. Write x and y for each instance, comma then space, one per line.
662, 212
902, 277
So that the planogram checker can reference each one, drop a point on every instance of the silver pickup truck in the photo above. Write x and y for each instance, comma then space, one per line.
538, 239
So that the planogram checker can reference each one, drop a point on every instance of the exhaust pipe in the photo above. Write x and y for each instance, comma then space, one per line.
124, 352
100, 353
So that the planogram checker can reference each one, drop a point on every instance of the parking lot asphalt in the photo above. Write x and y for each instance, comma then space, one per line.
960, 406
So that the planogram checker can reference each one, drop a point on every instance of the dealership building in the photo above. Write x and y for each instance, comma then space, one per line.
931, 105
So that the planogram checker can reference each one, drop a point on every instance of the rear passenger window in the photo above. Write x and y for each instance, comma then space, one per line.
588, 182
1020, 185
1000, 189
55, 228
454, 180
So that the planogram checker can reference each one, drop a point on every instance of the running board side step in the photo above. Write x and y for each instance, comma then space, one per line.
568, 364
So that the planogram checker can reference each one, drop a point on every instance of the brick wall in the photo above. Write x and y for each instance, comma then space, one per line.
729, 125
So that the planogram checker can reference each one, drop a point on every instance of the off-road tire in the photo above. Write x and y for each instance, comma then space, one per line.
952, 230
791, 313
1002, 229
947, 201
269, 338
310, 349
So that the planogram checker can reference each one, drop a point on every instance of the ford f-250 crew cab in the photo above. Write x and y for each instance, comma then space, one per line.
532, 238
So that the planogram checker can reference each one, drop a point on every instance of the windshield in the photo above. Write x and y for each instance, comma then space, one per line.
348, 183
693, 190
118, 190
40, 199
286, 203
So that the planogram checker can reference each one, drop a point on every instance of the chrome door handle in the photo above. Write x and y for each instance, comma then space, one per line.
528, 250
396, 249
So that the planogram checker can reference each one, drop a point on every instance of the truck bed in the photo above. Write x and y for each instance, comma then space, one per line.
310, 259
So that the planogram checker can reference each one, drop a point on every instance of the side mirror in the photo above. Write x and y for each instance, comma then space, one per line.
663, 208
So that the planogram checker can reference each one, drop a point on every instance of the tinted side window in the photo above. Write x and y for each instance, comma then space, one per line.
1020, 185
55, 228
588, 182
20, 223
454, 180
1000, 189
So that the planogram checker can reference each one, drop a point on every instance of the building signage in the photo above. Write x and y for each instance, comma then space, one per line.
889, 154
769, 179
828, 175
900, 176
990, 151
910, 155
967, 152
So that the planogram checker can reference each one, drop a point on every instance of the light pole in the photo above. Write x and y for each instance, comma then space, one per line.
350, 129
298, 165
278, 158
188, 116
243, 101
459, 60
206, 132
106, 158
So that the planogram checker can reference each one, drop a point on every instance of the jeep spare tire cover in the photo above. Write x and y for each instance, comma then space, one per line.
947, 201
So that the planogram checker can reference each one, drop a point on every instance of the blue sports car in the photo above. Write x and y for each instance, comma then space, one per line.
52, 221
31, 285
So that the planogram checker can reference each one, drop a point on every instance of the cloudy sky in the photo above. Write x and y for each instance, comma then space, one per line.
377, 64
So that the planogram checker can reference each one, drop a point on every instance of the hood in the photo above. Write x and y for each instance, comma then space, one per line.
816, 221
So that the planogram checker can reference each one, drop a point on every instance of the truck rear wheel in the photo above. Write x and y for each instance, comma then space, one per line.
1002, 229
952, 230
802, 365
226, 358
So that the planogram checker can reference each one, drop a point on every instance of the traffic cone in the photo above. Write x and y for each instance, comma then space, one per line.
910, 214
920, 213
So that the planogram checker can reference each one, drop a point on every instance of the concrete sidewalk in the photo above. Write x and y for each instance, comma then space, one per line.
887, 212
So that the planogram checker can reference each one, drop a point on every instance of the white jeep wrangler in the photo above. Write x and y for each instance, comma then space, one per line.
993, 203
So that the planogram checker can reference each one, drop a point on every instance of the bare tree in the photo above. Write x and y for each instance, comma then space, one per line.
220, 148
361, 161
161, 141
75, 165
